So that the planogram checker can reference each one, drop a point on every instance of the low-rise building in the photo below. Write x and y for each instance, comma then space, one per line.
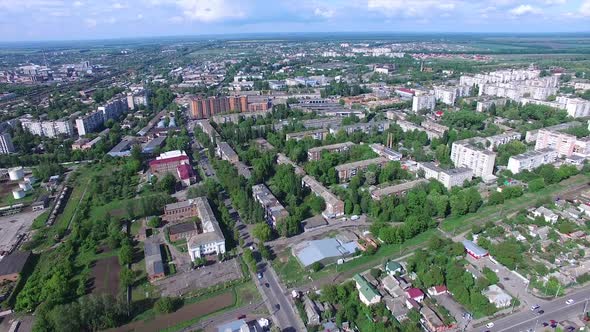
474, 250
448, 177
397, 189
346, 171
225, 152
316, 153
386, 152
497, 296
273, 209
319, 134
530, 160
334, 206
211, 241
153, 260
367, 292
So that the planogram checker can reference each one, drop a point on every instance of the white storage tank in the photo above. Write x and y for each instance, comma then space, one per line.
18, 193
16, 173
25, 186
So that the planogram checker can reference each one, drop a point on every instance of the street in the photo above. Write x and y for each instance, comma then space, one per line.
557, 310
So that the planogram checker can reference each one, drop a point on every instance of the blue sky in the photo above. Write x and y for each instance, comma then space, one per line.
84, 19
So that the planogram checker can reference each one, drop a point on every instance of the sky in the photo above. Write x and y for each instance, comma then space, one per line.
30, 20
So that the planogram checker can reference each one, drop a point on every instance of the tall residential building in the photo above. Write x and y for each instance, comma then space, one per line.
89, 123
6, 145
531, 160
48, 128
423, 102
466, 154
204, 108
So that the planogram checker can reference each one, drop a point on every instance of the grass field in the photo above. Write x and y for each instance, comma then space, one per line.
493, 213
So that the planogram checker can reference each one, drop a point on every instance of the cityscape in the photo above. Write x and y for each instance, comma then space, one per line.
240, 179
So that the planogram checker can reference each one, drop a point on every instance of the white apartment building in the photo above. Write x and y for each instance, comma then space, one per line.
423, 102
479, 160
531, 160
6, 145
500, 76
48, 128
448, 177
448, 95
575, 107
89, 123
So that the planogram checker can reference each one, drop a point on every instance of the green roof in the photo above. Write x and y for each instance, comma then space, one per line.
365, 287
392, 266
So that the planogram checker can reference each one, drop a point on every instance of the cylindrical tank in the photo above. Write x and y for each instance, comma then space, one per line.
25, 186
18, 193
16, 173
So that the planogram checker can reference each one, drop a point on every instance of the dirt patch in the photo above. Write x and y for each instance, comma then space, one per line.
105, 276
185, 313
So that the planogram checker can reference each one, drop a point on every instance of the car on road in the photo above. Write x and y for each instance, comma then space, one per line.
490, 325
259, 275
535, 307
570, 301
540, 312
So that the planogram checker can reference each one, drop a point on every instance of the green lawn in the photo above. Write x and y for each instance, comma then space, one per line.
487, 213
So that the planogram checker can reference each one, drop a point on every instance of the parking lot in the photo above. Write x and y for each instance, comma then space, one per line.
184, 282
14, 225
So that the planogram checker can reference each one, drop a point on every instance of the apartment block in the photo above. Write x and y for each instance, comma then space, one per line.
316, 153
448, 177
466, 154
6, 145
531, 160
273, 209
423, 102
204, 108
319, 134
386, 152
225, 152
346, 171
334, 206
48, 128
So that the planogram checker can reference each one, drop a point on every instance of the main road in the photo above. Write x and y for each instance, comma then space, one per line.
556, 310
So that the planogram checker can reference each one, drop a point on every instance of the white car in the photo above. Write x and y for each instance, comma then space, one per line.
490, 325
570, 301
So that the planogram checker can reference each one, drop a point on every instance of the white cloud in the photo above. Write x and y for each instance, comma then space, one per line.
410, 8
90, 22
210, 10
324, 12
585, 8
525, 10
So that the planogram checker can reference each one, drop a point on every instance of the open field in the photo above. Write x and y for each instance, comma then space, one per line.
492, 213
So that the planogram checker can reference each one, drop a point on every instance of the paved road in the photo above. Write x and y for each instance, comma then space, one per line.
556, 309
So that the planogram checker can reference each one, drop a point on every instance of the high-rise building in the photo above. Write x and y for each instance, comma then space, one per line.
48, 128
476, 158
6, 145
204, 108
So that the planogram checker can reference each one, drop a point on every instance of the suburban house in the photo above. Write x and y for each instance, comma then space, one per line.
367, 293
